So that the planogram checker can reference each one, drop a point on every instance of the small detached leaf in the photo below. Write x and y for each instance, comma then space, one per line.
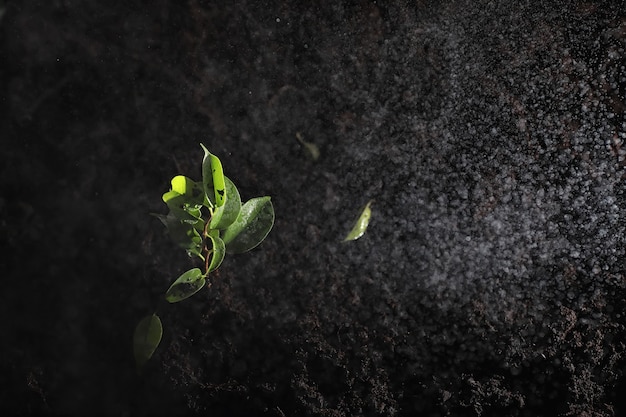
361, 224
311, 147
185, 286
252, 226
213, 178
146, 339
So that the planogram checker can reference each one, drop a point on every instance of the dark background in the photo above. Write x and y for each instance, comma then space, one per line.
491, 281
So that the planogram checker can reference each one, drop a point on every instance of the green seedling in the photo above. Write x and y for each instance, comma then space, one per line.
361, 223
207, 219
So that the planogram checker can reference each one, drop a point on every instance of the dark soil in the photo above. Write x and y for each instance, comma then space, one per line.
491, 281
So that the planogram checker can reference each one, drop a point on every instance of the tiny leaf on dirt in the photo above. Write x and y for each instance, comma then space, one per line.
146, 338
361, 224
311, 147
185, 286
254, 222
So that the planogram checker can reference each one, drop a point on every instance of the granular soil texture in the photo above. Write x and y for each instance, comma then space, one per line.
490, 282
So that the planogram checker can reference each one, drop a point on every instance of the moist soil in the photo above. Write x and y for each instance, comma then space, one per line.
490, 282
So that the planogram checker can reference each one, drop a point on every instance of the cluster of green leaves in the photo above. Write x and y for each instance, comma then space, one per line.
208, 220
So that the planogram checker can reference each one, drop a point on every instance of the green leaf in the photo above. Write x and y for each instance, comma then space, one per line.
254, 222
185, 199
225, 215
311, 147
213, 177
361, 224
219, 250
180, 209
184, 234
181, 185
146, 338
185, 286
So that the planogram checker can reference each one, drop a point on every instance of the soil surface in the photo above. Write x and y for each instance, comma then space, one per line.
490, 282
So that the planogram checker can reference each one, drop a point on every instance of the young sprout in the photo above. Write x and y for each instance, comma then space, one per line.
208, 220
